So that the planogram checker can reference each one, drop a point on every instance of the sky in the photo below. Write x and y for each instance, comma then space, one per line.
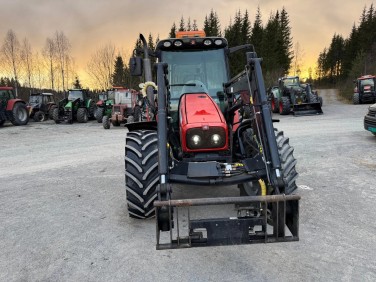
91, 24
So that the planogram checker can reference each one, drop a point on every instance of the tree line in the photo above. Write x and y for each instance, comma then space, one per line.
54, 68
348, 58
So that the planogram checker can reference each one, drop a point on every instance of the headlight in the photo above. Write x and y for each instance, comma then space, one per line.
196, 140
214, 137
207, 42
167, 44
218, 42
178, 43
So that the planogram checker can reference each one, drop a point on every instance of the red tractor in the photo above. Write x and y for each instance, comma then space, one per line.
127, 108
364, 91
209, 130
12, 108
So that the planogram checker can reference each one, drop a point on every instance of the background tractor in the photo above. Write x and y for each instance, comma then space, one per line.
209, 130
292, 96
12, 108
127, 108
77, 106
41, 106
104, 105
364, 91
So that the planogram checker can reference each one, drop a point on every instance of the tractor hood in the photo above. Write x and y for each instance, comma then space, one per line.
200, 108
68, 105
202, 124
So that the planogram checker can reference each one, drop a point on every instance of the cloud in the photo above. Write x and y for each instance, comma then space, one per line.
90, 24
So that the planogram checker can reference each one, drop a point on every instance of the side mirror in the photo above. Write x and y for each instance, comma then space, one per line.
135, 66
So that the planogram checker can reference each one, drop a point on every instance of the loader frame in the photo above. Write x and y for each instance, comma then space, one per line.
245, 94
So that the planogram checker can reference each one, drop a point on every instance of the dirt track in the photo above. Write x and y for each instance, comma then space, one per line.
64, 218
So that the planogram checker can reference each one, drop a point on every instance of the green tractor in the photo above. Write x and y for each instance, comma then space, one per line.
292, 96
77, 106
104, 105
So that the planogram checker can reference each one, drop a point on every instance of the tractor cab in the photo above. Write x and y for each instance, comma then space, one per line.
74, 94
195, 65
364, 91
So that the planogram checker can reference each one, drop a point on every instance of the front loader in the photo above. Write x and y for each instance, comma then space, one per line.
209, 130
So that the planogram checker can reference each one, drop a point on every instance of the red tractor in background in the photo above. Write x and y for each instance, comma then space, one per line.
127, 108
364, 91
12, 108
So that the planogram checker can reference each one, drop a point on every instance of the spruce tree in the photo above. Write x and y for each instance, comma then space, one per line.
257, 33
172, 33
118, 77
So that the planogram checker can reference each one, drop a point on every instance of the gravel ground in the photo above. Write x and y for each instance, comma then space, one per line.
63, 214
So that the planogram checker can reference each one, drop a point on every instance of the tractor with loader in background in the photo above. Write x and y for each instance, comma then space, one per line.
292, 96
12, 108
205, 128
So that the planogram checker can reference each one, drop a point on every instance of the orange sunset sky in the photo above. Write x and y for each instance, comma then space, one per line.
90, 24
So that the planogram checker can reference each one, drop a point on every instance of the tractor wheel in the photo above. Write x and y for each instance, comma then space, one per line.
2, 121
39, 116
137, 114
91, 110
356, 99
313, 98
99, 114
289, 175
284, 106
321, 101
51, 111
19, 115
274, 105
55, 115
106, 122
141, 172
82, 115
288, 163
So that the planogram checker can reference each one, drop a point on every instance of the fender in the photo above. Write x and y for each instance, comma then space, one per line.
12, 102
199, 113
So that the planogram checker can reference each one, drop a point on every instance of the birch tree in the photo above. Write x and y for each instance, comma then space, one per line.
11, 54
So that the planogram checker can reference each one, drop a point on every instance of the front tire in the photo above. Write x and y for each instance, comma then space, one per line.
39, 116
288, 163
20, 115
141, 172
55, 115
99, 114
274, 105
82, 115
356, 99
106, 122
284, 106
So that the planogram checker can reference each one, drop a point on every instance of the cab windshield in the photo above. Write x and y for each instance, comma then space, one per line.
195, 71
368, 81
74, 94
